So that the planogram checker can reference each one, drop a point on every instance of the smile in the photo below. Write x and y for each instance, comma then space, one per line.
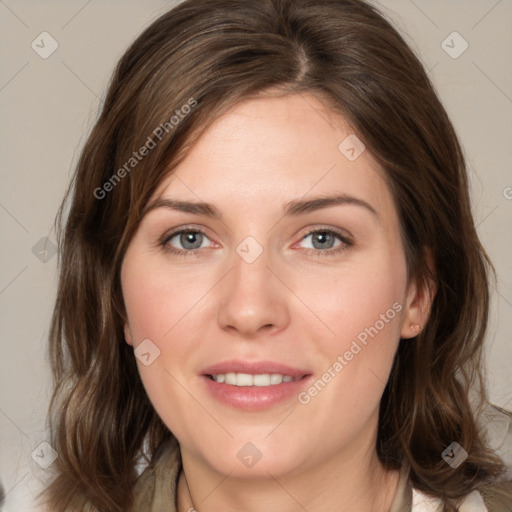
254, 385
246, 379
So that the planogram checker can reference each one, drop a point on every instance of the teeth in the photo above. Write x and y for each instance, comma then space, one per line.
230, 378
246, 379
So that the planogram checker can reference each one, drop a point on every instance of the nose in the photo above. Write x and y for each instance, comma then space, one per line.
253, 300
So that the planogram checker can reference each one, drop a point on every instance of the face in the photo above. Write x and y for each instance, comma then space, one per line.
266, 291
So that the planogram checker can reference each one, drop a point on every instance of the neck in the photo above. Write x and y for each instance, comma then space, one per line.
346, 482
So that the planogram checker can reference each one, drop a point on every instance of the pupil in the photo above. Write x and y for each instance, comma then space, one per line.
192, 238
324, 239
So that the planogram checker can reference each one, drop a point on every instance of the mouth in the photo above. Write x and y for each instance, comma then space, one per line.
254, 385
247, 379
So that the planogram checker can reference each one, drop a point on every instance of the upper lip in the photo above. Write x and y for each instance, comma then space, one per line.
254, 368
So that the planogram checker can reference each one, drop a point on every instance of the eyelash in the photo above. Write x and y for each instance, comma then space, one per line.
344, 245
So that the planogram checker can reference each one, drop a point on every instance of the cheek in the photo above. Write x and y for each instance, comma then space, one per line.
166, 306
355, 297
162, 305
160, 299
363, 307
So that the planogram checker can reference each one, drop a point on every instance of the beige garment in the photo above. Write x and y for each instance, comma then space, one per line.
155, 490
403, 496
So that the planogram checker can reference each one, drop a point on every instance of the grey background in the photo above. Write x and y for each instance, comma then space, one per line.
49, 105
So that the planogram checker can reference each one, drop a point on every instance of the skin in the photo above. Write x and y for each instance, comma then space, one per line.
294, 304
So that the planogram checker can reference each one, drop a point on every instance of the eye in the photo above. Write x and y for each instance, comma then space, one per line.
326, 241
186, 241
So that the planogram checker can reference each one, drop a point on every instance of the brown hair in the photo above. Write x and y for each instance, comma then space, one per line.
209, 55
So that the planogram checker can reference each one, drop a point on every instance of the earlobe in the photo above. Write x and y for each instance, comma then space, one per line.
414, 330
419, 303
417, 311
127, 334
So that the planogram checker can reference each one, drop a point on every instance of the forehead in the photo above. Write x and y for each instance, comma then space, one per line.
276, 149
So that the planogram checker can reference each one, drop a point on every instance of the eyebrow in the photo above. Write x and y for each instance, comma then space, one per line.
291, 208
301, 207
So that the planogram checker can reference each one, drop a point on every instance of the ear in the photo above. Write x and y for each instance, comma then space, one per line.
127, 334
418, 302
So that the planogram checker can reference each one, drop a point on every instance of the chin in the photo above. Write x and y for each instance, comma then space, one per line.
246, 459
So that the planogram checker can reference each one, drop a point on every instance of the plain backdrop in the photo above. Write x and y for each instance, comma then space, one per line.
48, 105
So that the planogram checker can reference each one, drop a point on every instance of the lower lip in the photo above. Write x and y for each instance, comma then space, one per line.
255, 398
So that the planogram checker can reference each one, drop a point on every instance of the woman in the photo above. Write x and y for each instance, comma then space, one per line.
272, 293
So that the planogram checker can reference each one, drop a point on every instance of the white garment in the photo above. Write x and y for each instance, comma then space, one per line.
473, 502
